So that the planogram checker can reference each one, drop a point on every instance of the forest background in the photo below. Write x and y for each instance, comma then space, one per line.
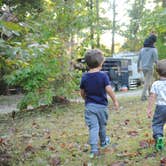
41, 40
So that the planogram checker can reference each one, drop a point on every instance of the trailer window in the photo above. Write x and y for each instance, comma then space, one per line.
124, 63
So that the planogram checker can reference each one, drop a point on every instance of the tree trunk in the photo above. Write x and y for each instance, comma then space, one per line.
97, 15
113, 29
91, 26
164, 3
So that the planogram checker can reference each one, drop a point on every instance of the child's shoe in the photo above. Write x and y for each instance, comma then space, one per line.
94, 154
106, 143
159, 143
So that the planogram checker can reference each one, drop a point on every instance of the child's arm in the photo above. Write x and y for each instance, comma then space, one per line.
82, 92
152, 99
112, 95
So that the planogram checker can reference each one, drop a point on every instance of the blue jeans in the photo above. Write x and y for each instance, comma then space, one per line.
96, 117
159, 119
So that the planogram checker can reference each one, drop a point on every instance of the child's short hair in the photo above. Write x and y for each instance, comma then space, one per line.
94, 58
161, 67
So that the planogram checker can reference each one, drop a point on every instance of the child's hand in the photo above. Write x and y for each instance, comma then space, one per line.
116, 104
149, 113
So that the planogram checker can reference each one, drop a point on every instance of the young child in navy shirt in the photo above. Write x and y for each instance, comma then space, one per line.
95, 86
158, 95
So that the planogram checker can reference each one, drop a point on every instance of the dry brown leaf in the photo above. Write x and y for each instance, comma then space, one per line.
55, 161
138, 122
143, 144
146, 134
85, 164
146, 143
163, 161
30, 148
63, 145
118, 164
5, 159
128, 154
51, 148
126, 121
132, 133
1, 140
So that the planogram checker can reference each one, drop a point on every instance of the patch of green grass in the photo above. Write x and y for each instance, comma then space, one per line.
59, 136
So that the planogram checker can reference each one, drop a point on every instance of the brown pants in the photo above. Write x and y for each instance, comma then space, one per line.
148, 78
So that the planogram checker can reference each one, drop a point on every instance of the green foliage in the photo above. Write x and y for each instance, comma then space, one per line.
161, 46
8, 50
23, 7
36, 54
44, 75
42, 65
136, 14
33, 80
151, 22
143, 21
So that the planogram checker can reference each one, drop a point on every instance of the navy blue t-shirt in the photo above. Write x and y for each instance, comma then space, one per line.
94, 86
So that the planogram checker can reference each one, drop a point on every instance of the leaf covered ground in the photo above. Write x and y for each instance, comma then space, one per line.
58, 136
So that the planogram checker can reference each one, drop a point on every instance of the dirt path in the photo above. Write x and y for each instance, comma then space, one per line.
9, 103
136, 92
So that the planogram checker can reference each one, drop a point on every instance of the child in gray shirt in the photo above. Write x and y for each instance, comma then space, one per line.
147, 57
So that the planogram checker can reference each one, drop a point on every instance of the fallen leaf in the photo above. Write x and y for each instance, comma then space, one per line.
85, 164
118, 164
34, 134
114, 146
146, 143
43, 146
118, 137
63, 145
126, 121
1, 140
150, 155
132, 133
127, 154
138, 122
35, 125
5, 159
163, 161
47, 136
146, 134
25, 136
28, 151
143, 144
51, 148
107, 150
84, 148
30, 148
151, 142
55, 161
70, 146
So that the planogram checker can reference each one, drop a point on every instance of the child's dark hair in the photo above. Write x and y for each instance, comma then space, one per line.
94, 58
161, 68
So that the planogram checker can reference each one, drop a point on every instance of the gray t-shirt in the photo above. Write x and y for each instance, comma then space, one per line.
159, 88
147, 57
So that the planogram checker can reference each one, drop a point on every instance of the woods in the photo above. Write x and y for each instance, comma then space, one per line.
41, 40
41, 45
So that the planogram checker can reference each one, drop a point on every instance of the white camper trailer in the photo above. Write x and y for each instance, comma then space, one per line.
135, 78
